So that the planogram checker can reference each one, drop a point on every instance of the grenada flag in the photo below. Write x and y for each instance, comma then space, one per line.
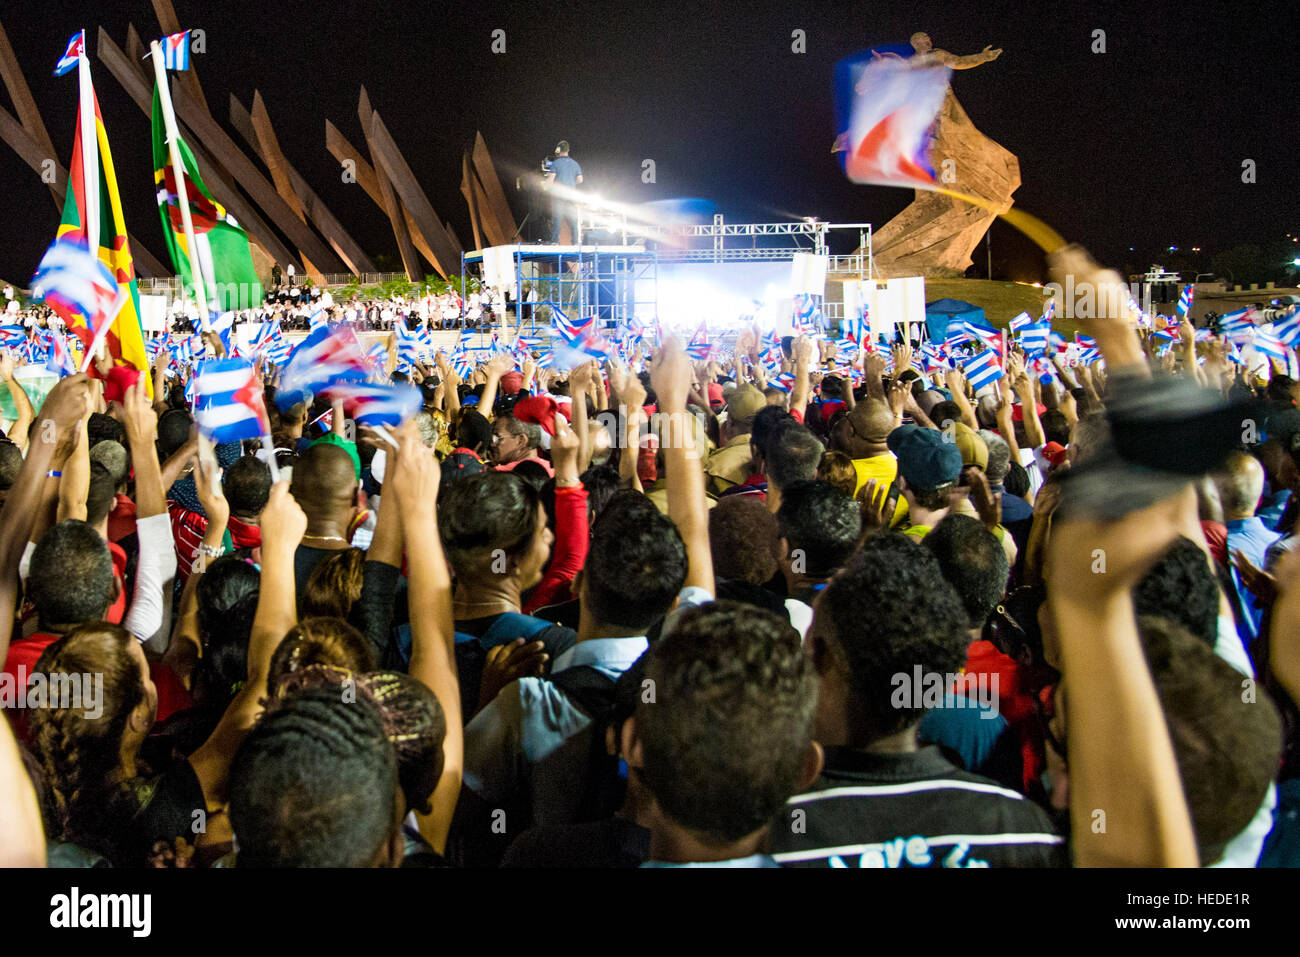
124, 338
222, 245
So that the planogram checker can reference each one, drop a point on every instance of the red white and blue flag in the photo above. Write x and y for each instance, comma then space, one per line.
228, 402
698, 348
321, 360
1185, 300
983, 369
76, 284
888, 139
376, 404
176, 51
59, 360
76, 50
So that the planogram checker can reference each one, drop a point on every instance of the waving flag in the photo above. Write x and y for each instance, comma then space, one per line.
983, 369
806, 313
12, 335
1168, 334
566, 327
375, 404
76, 285
984, 331
1088, 355
176, 51
1287, 329
1268, 344
409, 344
888, 138
222, 249
228, 401
1019, 322
76, 50
321, 360
59, 360
124, 335
157, 344
1185, 300
699, 348
1049, 310
1034, 337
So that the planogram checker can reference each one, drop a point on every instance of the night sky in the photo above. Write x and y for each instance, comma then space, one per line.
1141, 146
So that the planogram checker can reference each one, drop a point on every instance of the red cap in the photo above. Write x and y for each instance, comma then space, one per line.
538, 409
512, 382
1054, 452
1018, 411
715, 394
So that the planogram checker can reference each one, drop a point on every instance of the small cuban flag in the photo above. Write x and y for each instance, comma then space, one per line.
228, 403
77, 285
374, 404
76, 50
176, 51
981, 329
1185, 300
1268, 344
1287, 329
1034, 337
983, 369
1020, 322
60, 360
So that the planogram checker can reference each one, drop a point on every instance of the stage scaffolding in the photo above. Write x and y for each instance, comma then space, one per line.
613, 272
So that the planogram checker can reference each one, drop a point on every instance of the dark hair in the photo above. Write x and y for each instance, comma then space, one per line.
481, 513
78, 754
822, 522
727, 738
973, 562
247, 485
600, 482
766, 421
1016, 481
104, 428
101, 496
334, 585
173, 431
1227, 748
534, 473
474, 432
70, 579
888, 611
793, 454
945, 411
1056, 427
743, 540
635, 567
314, 785
227, 601
836, 468
1182, 588
319, 641
11, 463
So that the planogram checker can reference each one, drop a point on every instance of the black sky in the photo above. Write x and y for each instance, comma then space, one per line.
1140, 146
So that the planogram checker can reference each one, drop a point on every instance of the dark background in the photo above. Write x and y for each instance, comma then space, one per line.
1139, 147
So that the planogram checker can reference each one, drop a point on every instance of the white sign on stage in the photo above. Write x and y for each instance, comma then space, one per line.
808, 274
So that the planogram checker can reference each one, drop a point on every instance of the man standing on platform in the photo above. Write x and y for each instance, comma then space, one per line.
566, 172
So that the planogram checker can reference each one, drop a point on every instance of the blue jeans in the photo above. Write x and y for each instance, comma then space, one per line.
561, 212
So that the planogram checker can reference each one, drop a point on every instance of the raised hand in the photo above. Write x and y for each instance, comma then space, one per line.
670, 376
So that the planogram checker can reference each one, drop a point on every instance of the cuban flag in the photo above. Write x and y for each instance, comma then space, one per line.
1185, 300
983, 369
1020, 322
956, 338
325, 420
1287, 329
266, 334
277, 353
375, 404
1268, 344
1083, 340
316, 319
76, 50
176, 51
1058, 342
1049, 311
1088, 355
1042, 367
934, 357
1238, 325
698, 347
60, 360
12, 335
1168, 334
984, 332
1034, 337
321, 360
157, 344
566, 327
806, 313
77, 285
228, 403
408, 343
1202, 335
894, 107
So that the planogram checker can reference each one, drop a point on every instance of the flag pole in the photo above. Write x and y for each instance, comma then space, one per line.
178, 170
89, 147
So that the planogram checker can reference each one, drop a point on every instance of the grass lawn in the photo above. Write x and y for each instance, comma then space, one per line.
1001, 301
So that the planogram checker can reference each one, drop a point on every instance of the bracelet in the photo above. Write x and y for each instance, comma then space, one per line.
54, 473
568, 483
211, 551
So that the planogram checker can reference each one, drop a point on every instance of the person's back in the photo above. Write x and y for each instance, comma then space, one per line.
566, 170
889, 636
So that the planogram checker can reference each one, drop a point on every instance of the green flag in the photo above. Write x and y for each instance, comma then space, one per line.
222, 246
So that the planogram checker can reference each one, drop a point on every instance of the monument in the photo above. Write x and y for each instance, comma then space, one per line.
936, 234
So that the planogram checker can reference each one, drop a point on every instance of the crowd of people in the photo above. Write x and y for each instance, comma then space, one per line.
663, 614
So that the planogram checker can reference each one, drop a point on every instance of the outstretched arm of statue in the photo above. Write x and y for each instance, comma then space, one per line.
987, 55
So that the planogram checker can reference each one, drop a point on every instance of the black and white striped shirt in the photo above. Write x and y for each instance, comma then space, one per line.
911, 810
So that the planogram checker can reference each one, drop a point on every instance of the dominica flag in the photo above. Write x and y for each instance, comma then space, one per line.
222, 245
124, 336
